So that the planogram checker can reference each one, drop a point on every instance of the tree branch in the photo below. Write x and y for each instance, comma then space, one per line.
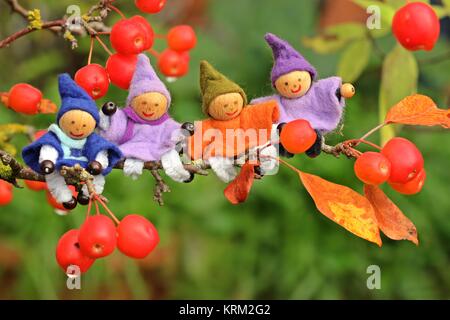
89, 24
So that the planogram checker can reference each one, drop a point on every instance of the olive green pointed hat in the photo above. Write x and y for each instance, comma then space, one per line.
214, 84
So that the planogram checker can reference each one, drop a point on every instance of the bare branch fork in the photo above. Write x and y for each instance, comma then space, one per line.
90, 23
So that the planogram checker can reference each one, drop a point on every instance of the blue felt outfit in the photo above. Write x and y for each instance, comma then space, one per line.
70, 151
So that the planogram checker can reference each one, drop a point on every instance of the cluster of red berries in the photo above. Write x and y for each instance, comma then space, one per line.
130, 37
135, 236
416, 26
399, 163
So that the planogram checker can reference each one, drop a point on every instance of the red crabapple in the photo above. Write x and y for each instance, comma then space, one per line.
68, 252
372, 168
173, 63
150, 35
97, 236
94, 79
39, 134
181, 38
411, 187
36, 185
131, 36
406, 160
6, 193
136, 236
24, 98
150, 6
121, 68
297, 136
416, 26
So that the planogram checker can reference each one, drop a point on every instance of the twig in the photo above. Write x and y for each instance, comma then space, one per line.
160, 187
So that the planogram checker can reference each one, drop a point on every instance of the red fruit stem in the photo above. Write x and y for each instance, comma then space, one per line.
97, 209
103, 45
372, 131
160, 36
103, 33
4, 97
356, 142
117, 221
154, 53
91, 50
88, 213
117, 10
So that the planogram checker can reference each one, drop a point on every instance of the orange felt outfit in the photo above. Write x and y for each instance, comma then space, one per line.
231, 138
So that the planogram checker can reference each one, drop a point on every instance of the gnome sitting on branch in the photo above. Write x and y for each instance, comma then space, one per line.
70, 141
321, 103
233, 128
144, 130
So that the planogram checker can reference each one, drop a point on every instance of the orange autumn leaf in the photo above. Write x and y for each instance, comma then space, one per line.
238, 189
418, 110
344, 206
391, 220
47, 106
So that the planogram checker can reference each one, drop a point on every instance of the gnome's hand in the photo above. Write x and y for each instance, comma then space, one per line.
47, 167
174, 168
133, 168
109, 108
282, 151
94, 168
316, 148
223, 168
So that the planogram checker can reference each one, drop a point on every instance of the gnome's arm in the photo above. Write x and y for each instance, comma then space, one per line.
113, 127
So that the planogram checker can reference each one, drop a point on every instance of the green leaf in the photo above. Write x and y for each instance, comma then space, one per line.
347, 31
354, 60
323, 45
399, 79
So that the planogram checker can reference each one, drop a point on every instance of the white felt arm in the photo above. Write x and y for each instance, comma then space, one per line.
268, 158
48, 153
173, 166
274, 136
223, 168
102, 158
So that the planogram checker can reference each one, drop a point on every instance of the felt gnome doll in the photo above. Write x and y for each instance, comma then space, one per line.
143, 130
233, 127
299, 97
70, 141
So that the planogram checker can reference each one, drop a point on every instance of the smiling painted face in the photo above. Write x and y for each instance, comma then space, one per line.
226, 106
77, 124
150, 106
294, 84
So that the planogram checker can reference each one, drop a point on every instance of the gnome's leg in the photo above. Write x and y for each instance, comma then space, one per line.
133, 168
99, 185
58, 187
173, 166
223, 168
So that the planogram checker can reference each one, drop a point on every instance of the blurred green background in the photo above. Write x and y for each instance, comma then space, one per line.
276, 245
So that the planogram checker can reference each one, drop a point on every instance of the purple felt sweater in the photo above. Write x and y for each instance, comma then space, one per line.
138, 138
320, 105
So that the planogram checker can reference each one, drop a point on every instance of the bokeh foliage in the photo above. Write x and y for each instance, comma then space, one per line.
275, 246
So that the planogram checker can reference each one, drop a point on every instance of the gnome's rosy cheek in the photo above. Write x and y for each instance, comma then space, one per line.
150, 106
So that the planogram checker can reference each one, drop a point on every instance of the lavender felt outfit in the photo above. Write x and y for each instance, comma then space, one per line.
320, 105
143, 140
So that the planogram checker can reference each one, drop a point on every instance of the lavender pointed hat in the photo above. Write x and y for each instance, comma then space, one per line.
146, 80
286, 58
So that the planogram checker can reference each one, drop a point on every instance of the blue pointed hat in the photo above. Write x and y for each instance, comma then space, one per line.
73, 97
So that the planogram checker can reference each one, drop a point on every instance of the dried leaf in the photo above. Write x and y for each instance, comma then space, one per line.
344, 206
47, 106
418, 110
391, 220
237, 191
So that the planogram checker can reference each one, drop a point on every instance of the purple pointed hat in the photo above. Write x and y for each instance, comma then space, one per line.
286, 58
146, 80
